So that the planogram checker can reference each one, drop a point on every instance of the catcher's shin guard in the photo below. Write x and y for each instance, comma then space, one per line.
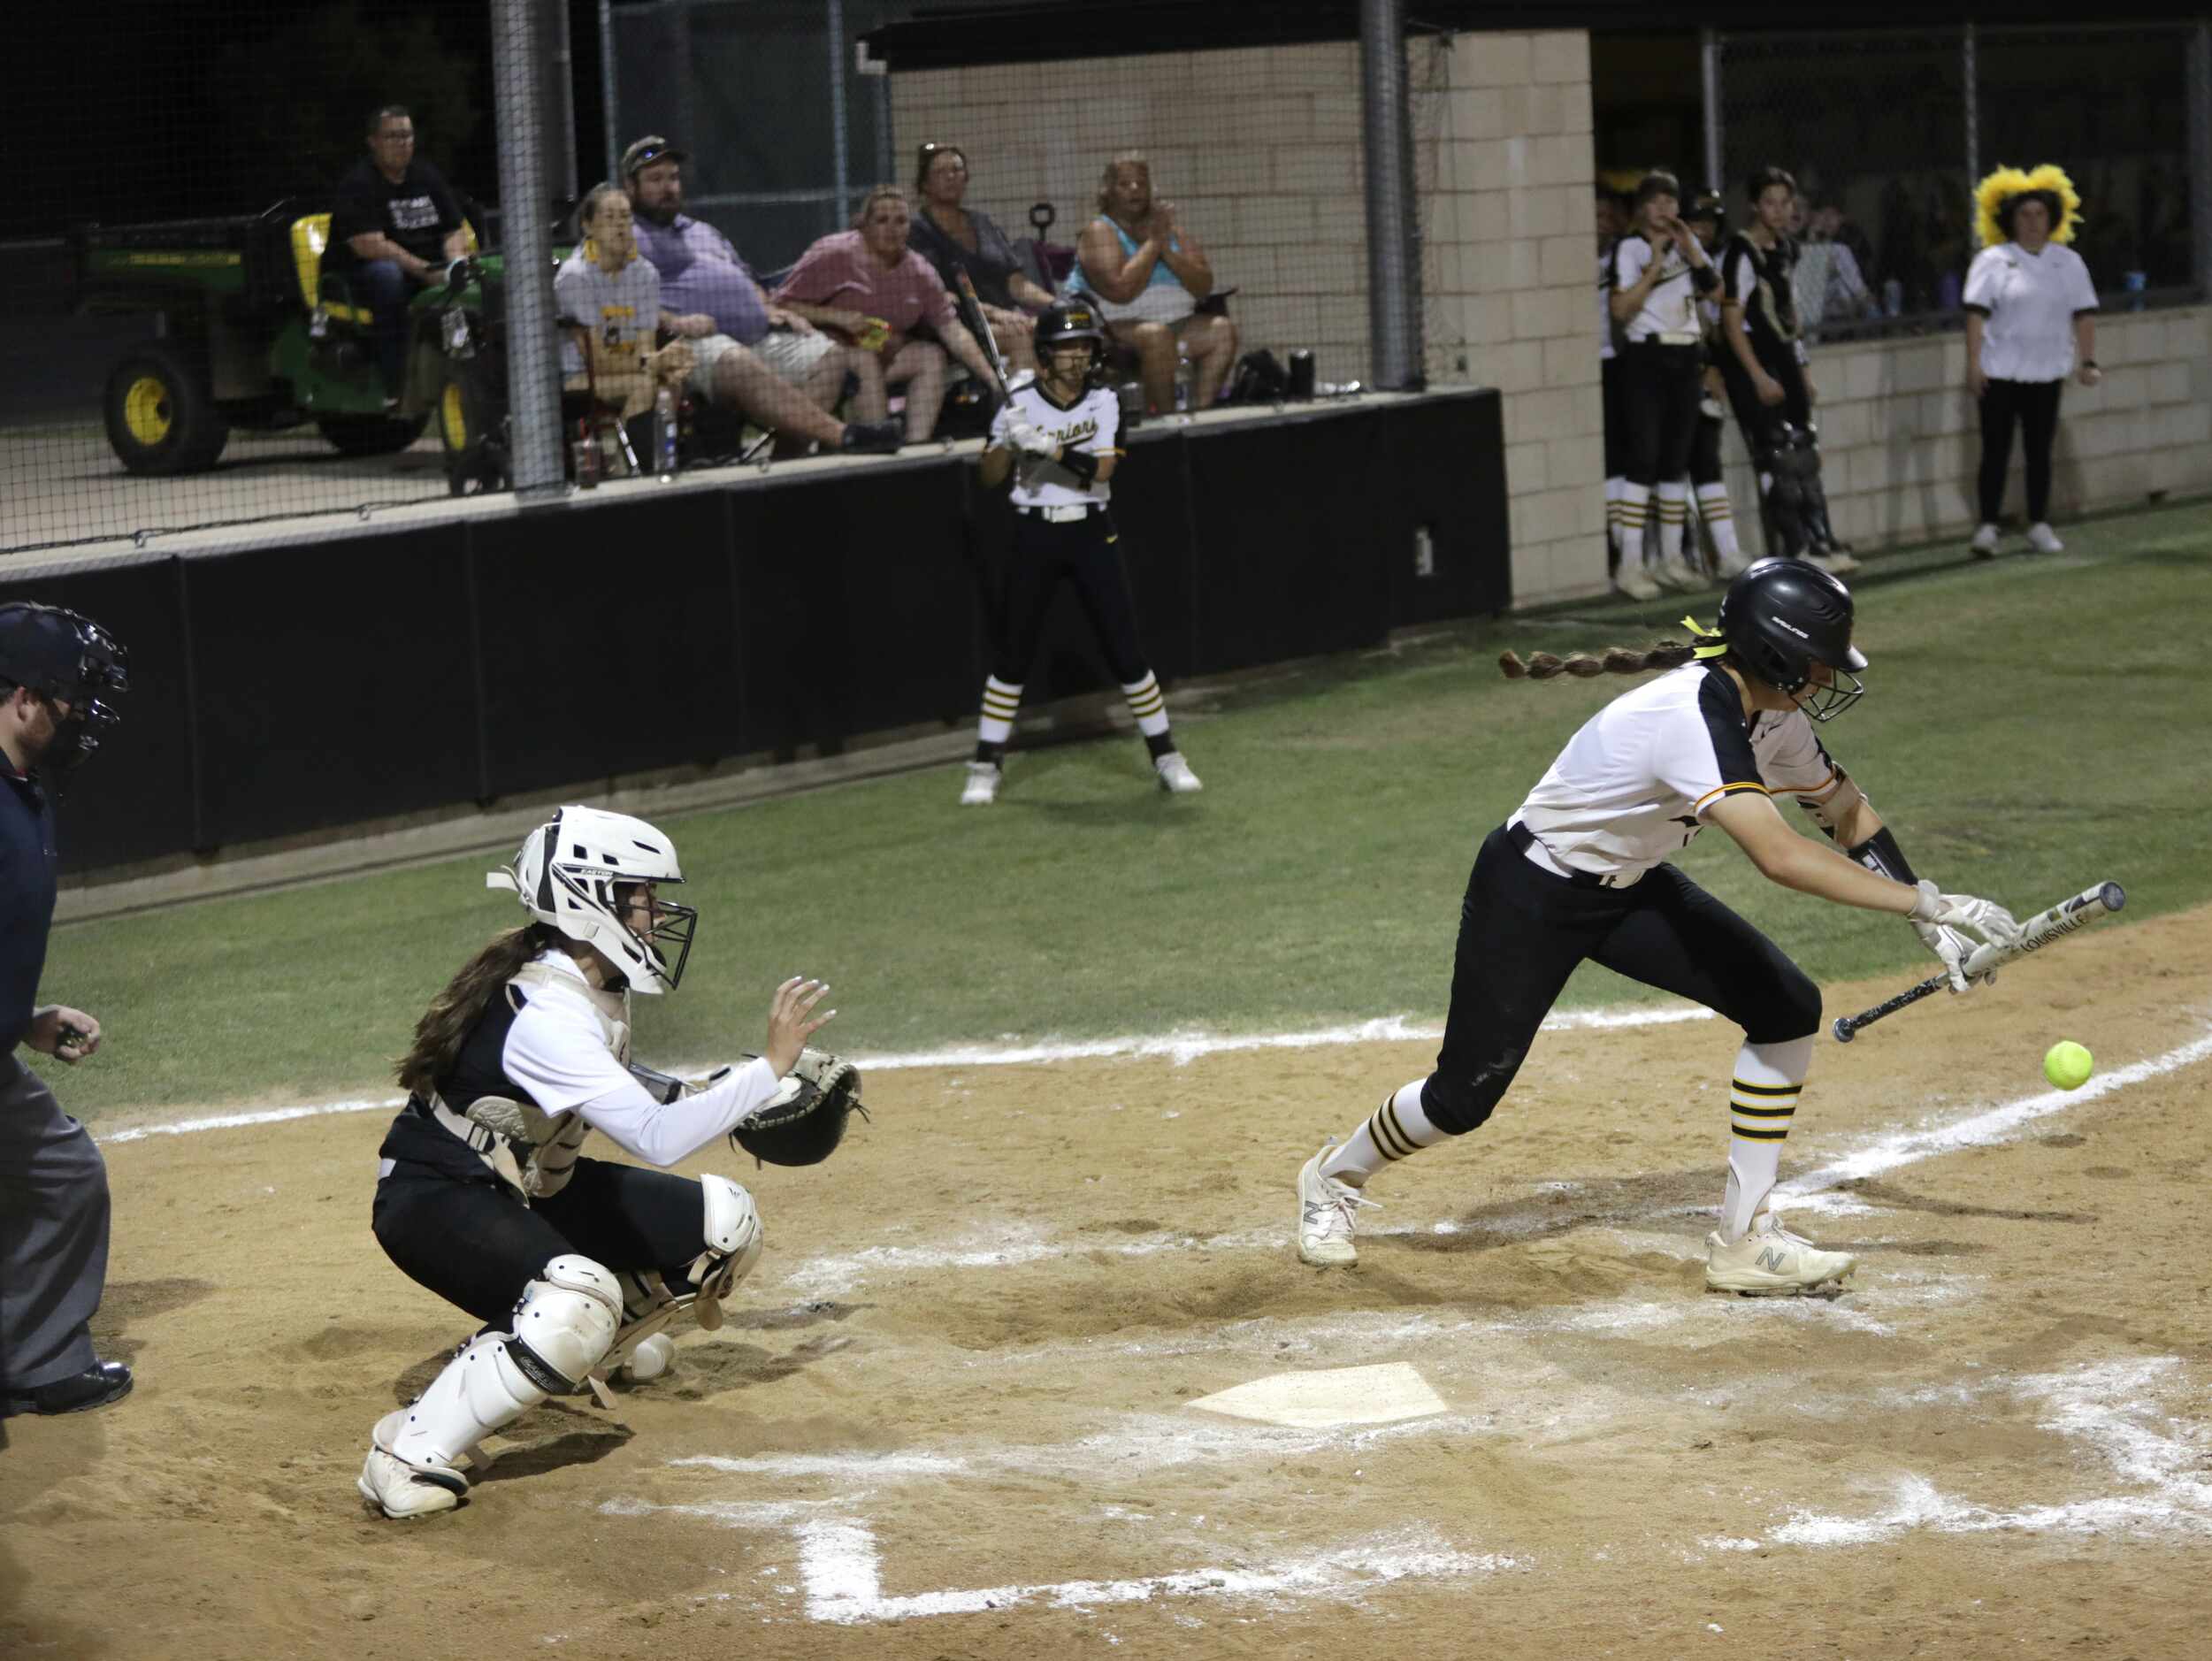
1783, 479
1818, 532
563, 1324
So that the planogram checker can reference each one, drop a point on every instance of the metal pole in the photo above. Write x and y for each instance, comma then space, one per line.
606, 85
887, 151
834, 20
559, 90
1708, 64
1970, 65
1393, 298
533, 380
2200, 158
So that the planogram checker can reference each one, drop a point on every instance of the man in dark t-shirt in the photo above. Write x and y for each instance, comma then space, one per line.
393, 226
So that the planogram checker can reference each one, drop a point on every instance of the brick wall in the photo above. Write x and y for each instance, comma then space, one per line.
1509, 268
1900, 443
1259, 149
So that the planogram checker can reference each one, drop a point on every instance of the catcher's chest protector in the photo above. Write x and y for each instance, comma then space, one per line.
535, 1150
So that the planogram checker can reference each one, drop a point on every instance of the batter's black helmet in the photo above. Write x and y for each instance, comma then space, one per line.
1069, 320
1781, 617
1707, 204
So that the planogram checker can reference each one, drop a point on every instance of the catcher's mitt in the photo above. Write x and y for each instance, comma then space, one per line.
803, 1122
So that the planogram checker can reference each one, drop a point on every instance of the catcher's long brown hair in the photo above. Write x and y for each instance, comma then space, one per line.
439, 1034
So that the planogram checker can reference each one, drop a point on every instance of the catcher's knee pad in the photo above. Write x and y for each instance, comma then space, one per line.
733, 1246
565, 1322
1457, 1105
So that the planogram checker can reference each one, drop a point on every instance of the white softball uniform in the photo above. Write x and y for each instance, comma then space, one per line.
1091, 424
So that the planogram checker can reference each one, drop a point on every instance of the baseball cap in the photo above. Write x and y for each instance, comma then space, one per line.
649, 150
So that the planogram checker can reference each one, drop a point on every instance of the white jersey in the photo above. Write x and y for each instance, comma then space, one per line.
1671, 306
2030, 300
1091, 424
622, 309
1634, 785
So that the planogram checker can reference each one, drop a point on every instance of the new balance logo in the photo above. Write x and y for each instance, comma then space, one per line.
1771, 1259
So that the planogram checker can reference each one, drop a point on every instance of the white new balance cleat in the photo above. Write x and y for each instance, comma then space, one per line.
2043, 539
1632, 581
1325, 1220
1175, 776
1771, 1262
982, 788
1984, 547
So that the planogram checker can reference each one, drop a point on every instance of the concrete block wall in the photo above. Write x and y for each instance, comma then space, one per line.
1900, 443
1509, 269
1259, 149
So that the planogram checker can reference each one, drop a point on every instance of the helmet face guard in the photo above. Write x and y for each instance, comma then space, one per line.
64, 658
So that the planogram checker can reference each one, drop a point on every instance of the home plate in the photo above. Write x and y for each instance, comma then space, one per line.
1341, 1395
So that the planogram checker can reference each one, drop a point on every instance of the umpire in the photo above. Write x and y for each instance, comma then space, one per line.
54, 667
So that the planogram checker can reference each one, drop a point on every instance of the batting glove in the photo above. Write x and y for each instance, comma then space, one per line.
1943, 916
1033, 440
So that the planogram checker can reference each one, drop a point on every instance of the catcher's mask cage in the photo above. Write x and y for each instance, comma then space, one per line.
1070, 320
1781, 617
67, 658
571, 873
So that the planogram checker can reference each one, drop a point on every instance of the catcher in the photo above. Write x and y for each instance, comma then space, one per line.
573, 1265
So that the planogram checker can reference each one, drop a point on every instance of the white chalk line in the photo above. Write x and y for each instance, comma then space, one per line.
1181, 1048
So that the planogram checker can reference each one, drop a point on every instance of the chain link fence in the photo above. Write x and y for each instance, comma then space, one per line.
1887, 132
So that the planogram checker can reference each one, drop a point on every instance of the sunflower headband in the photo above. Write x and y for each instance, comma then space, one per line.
2002, 186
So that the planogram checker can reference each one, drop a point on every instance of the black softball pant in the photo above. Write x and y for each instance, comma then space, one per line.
1087, 554
1756, 420
1658, 401
1522, 931
476, 1244
1616, 420
2033, 404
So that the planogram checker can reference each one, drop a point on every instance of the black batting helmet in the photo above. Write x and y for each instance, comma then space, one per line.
1707, 204
1781, 617
1071, 320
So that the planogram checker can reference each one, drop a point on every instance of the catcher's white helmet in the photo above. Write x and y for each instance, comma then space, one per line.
566, 874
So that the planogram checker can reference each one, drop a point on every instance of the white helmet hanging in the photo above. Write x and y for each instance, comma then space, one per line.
567, 872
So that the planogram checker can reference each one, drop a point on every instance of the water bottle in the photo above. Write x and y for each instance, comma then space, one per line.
584, 454
665, 433
1183, 378
2134, 282
1893, 298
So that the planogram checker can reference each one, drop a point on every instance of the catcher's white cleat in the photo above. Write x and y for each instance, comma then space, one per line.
982, 788
1324, 1219
400, 1491
1771, 1262
1175, 776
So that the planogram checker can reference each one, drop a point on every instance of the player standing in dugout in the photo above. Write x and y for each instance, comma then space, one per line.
1056, 437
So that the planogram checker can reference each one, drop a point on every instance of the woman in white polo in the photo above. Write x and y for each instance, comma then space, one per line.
2030, 323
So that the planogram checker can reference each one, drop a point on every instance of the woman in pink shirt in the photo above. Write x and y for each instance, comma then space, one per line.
867, 286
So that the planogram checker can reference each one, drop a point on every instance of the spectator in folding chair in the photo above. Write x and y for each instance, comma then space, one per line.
1151, 279
749, 354
869, 288
611, 297
953, 237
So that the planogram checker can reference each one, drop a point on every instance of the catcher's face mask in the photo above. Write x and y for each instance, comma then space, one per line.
664, 927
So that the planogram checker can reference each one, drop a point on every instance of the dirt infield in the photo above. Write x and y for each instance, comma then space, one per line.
951, 1414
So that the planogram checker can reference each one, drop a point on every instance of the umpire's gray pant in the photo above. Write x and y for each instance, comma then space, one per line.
53, 1234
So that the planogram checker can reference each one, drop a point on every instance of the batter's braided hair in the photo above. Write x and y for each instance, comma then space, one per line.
1614, 660
446, 1024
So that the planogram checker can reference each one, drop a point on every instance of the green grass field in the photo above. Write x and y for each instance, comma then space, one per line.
2031, 726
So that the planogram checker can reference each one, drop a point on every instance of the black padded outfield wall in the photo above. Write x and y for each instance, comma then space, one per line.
287, 690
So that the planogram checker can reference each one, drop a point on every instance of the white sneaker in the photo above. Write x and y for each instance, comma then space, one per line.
1835, 565
400, 1491
1770, 1261
1325, 1208
1632, 581
982, 788
1983, 546
1733, 568
1175, 776
1677, 575
2043, 539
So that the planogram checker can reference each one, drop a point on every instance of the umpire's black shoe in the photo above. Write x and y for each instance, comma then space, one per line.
99, 1384
872, 437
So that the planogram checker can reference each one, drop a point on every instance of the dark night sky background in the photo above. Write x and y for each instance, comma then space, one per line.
128, 111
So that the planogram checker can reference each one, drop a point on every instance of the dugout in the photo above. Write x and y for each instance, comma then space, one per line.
288, 688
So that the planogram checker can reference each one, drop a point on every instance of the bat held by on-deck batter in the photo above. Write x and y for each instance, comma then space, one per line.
2038, 931
972, 311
